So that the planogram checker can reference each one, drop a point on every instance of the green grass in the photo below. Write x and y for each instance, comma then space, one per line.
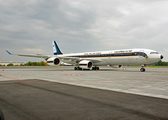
157, 66
149, 66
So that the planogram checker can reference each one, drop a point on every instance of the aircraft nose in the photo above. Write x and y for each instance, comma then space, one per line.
161, 57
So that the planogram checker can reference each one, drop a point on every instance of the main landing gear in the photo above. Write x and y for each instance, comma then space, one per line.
142, 69
95, 68
77, 68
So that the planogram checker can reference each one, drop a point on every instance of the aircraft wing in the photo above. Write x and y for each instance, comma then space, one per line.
37, 55
93, 60
77, 59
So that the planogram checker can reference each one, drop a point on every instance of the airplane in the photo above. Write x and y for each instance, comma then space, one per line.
91, 60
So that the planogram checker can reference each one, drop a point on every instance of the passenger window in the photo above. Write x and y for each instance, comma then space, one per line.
154, 53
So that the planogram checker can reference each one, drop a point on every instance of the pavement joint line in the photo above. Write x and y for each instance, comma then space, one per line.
107, 80
2, 72
87, 80
116, 90
69, 82
14, 79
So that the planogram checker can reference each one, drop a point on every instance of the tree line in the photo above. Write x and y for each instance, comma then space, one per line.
161, 63
42, 63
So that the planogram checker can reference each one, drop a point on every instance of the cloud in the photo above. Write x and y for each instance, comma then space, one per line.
164, 52
85, 25
33, 50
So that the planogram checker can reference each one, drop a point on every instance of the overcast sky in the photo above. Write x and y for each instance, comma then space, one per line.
30, 26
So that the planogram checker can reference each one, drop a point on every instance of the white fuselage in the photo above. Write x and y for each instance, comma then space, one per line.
117, 57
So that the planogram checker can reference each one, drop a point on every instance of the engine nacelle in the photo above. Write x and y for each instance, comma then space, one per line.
116, 66
85, 64
53, 61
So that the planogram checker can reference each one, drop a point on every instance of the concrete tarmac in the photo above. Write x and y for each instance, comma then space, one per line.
60, 93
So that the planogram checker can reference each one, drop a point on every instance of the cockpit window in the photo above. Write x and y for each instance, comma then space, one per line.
154, 53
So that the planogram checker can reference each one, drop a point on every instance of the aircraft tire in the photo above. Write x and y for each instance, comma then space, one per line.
142, 69
95, 68
78, 68
1, 115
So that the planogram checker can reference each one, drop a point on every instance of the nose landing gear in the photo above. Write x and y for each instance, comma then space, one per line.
142, 69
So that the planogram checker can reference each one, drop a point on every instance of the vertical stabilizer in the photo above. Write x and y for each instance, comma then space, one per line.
56, 50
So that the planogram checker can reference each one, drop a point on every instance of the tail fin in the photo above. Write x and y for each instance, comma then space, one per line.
56, 50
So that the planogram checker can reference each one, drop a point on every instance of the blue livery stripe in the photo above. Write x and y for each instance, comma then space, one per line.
112, 55
8, 52
57, 49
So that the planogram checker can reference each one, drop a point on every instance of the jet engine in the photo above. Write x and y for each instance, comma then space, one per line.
85, 64
53, 61
116, 66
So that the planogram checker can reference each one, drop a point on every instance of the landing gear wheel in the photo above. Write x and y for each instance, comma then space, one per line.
75, 68
142, 69
95, 68
1, 115
79, 68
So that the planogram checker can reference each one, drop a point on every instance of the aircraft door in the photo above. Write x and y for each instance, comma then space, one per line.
141, 53
137, 59
142, 57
